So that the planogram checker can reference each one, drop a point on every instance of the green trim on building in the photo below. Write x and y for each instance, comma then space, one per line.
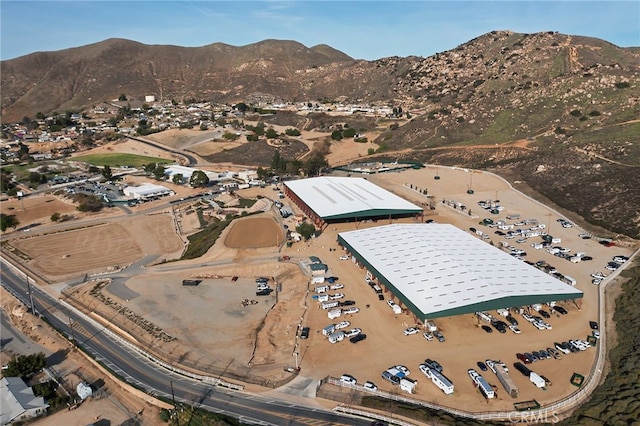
504, 302
364, 214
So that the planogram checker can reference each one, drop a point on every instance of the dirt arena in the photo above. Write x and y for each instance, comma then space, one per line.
254, 232
102, 247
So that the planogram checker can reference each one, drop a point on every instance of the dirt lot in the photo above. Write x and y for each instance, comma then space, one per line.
227, 334
37, 209
107, 246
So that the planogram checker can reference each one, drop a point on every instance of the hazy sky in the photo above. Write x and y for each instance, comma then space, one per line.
361, 29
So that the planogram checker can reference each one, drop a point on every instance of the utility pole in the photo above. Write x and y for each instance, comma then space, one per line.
73, 337
175, 407
33, 307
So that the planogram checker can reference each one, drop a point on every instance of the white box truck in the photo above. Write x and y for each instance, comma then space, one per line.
334, 313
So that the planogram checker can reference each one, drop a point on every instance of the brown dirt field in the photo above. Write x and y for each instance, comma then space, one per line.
37, 209
102, 247
254, 233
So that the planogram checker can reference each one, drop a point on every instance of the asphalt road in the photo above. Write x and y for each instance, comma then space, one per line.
137, 370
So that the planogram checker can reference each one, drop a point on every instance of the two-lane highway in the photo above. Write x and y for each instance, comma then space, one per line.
136, 369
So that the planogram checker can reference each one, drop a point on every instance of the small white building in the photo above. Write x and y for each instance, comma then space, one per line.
186, 173
149, 98
146, 191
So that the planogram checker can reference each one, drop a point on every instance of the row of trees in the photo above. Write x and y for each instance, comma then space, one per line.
312, 167
198, 179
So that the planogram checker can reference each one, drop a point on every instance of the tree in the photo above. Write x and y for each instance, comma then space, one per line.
242, 107
349, 133
36, 178
177, 178
199, 179
271, 133
149, 168
158, 172
263, 174
8, 221
277, 162
315, 164
336, 135
25, 365
55, 217
106, 172
122, 97
292, 131
23, 151
307, 230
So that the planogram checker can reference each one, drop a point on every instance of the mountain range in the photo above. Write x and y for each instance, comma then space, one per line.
558, 113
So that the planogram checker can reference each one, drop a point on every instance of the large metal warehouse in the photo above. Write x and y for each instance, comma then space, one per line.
438, 270
338, 199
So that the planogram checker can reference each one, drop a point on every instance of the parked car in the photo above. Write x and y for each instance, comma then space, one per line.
487, 329
434, 365
554, 353
562, 348
344, 257
348, 380
523, 358
593, 325
353, 332
544, 313
370, 386
530, 357
347, 303
439, 336
482, 366
511, 320
358, 338
428, 335
304, 334
515, 329
560, 310
411, 330
402, 368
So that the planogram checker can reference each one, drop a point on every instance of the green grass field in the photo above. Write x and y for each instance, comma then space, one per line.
120, 159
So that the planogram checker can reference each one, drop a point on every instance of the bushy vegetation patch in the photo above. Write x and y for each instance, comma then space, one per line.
203, 240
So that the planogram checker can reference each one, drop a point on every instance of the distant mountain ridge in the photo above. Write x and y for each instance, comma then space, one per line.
75, 78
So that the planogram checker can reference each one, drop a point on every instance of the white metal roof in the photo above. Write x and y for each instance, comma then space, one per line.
145, 189
340, 196
439, 267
